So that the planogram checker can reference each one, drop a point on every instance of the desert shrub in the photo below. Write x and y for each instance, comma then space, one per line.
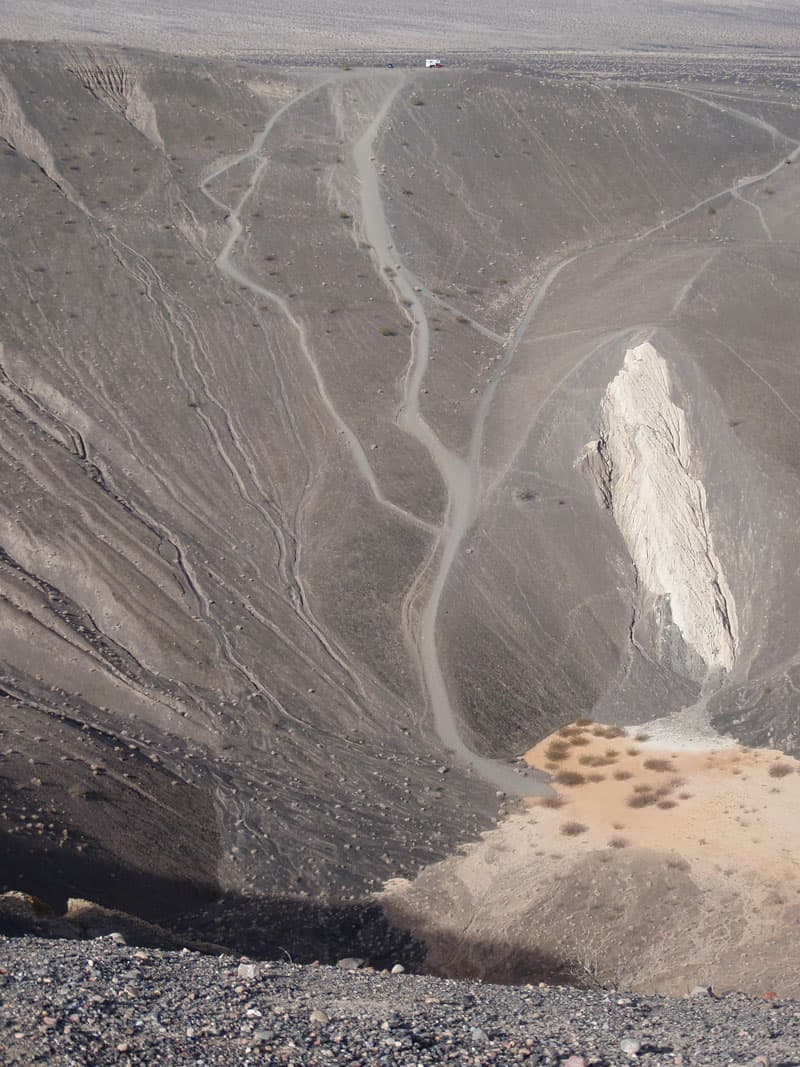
659, 765
570, 778
613, 730
590, 760
643, 787
583, 720
618, 842
387, 331
553, 800
579, 739
345, 215
572, 829
556, 751
611, 753
595, 777
780, 770
676, 781
641, 737
567, 731
666, 803
622, 776
640, 800
632, 751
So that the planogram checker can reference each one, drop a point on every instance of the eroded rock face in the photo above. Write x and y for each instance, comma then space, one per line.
642, 466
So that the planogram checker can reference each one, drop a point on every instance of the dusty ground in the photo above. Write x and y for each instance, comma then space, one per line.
652, 868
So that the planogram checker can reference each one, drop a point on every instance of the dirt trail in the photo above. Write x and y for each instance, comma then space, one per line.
461, 478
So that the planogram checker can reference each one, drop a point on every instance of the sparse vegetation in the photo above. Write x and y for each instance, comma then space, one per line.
622, 775
780, 770
345, 215
659, 765
640, 800
618, 842
387, 331
570, 778
610, 731
595, 761
554, 801
573, 828
583, 720
667, 803
556, 751
579, 739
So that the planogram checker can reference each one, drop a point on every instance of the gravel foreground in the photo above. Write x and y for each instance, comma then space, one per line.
102, 1002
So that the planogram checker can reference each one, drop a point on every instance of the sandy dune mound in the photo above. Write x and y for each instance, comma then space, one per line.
649, 868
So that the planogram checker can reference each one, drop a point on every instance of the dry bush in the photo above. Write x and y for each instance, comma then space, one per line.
583, 720
676, 780
659, 765
641, 737
665, 804
566, 731
622, 776
612, 753
633, 751
640, 800
579, 739
610, 731
570, 778
554, 800
556, 751
780, 770
643, 787
684, 796
595, 777
572, 829
678, 863
618, 842
590, 760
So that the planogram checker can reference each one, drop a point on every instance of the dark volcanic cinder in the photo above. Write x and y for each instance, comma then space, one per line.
105, 1003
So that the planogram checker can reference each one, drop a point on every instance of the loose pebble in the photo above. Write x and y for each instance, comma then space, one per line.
76, 1004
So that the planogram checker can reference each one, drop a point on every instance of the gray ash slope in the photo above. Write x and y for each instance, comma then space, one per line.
223, 541
103, 1003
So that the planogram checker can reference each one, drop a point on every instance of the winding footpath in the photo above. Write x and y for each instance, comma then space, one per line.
461, 478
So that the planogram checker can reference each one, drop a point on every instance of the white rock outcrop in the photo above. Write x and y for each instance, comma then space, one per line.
641, 465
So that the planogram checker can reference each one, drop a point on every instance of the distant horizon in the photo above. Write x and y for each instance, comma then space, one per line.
309, 27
